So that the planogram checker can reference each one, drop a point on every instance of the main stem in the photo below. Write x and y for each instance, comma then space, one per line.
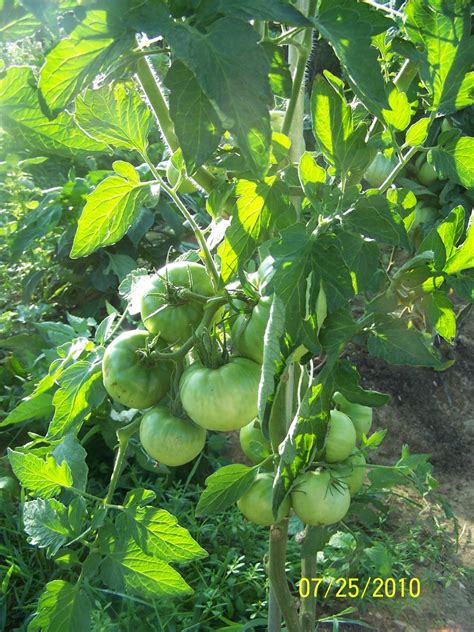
277, 574
308, 605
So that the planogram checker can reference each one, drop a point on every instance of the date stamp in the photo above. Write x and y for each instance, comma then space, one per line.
355, 588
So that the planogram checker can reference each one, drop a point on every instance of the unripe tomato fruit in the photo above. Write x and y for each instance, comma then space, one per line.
317, 500
248, 330
425, 215
425, 172
224, 398
352, 472
361, 416
129, 377
175, 322
172, 175
340, 437
256, 503
253, 442
168, 439
378, 170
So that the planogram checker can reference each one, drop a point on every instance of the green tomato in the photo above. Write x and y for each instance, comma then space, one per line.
253, 442
256, 503
427, 174
129, 377
172, 175
424, 215
340, 437
248, 330
168, 439
175, 321
224, 398
317, 500
361, 416
378, 170
352, 472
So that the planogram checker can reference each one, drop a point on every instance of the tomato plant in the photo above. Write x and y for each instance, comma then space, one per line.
306, 219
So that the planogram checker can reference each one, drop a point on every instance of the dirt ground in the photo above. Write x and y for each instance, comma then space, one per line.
433, 413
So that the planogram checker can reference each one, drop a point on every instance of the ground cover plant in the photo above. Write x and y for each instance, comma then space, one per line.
210, 207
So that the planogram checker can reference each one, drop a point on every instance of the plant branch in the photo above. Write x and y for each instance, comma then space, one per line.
398, 167
277, 574
308, 604
207, 257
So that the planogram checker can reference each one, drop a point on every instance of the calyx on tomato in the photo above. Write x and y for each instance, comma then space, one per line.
168, 439
248, 330
132, 378
164, 311
256, 503
223, 398
319, 500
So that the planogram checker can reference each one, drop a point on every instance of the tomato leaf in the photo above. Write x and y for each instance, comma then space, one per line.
80, 390
342, 144
43, 477
196, 122
46, 523
78, 58
219, 60
348, 383
443, 32
463, 257
115, 115
391, 340
23, 117
454, 161
129, 564
109, 212
374, 216
349, 26
32, 407
224, 488
159, 533
259, 207
62, 606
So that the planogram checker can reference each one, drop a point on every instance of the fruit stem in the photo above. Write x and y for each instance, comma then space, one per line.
151, 87
123, 435
278, 579
212, 306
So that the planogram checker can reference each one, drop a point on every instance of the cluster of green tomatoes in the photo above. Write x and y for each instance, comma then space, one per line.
186, 388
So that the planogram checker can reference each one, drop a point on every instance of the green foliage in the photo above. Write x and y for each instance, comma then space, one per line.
88, 206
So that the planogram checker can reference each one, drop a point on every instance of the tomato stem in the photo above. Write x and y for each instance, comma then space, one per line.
277, 574
206, 255
123, 435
